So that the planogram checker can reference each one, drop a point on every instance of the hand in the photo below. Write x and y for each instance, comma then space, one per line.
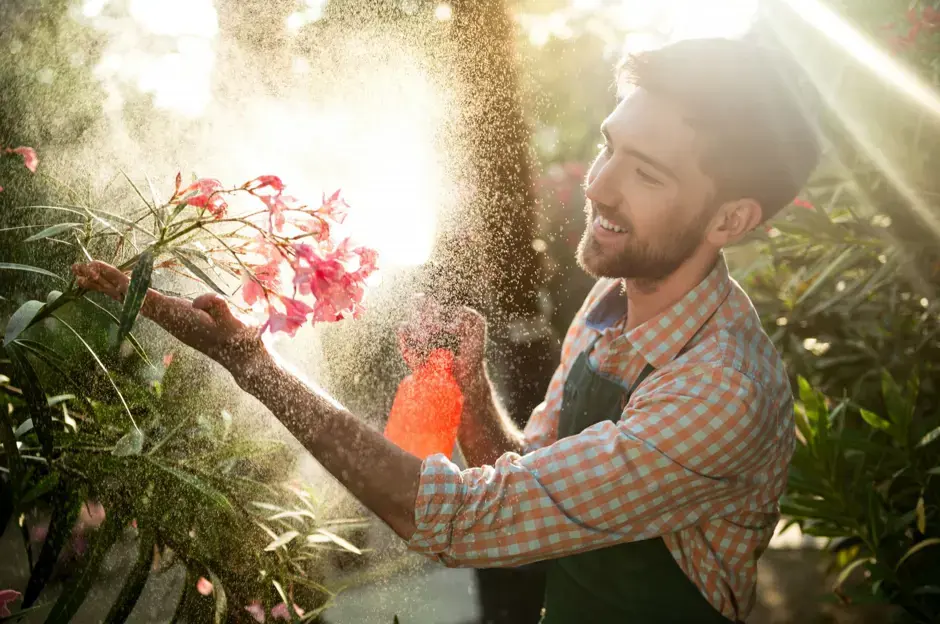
431, 323
205, 324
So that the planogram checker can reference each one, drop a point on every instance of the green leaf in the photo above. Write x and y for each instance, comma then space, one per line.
45, 485
193, 482
933, 541
35, 398
136, 579
20, 320
75, 593
53, 230
65, 508
847, 571
339, 541
101, 366
900, 411
132, 443
9, 266
282, 540
875, 420
151, 207
929, 437
8, 439
834, 267
221, 603
199, 273
130, 335
921, 516
53, 361
136, 292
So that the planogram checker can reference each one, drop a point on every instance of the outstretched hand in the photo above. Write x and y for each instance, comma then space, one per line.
206, 324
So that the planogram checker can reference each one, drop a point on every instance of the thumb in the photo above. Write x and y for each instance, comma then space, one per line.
216, 307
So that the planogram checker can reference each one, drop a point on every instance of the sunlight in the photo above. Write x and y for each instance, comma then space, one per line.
865, 52
382, 150
886, 68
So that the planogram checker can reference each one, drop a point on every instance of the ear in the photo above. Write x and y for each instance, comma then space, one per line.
733, 220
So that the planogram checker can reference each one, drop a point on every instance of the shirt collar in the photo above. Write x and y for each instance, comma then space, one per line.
661, 338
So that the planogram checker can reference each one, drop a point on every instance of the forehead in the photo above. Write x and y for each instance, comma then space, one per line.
656, 126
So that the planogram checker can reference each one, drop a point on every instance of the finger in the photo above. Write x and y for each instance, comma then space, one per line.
216, 307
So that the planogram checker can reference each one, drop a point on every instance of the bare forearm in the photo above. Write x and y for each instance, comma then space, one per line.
486, 432
382, 476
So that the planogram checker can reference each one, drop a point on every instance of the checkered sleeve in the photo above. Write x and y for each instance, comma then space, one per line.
691, 448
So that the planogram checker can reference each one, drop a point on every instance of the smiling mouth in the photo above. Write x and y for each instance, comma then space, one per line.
604, 224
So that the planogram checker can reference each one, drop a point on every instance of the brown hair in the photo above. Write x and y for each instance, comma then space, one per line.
761, 144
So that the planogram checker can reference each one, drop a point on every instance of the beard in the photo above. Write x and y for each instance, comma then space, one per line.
649, 261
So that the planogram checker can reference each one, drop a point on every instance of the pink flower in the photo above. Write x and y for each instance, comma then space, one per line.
8, 595
280, 612
256, 611
207, 196
294, 316
29, 156
333, 207
367, 261
168, 359
269, 181
203, 586
263, 277
802, 203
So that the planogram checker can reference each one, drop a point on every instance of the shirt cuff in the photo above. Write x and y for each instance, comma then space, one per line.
441, 493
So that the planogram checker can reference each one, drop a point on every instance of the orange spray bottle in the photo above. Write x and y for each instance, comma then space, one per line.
426, 411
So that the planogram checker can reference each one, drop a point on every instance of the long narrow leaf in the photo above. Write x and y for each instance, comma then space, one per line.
75, 593
14, 461
151, 207
199, 273
136, 579
130, 335
101, 366
53, 361
66, 506
20, 320
221, 602
136, 292
52, 230
186, 596
193, 482
35, 398
10, 266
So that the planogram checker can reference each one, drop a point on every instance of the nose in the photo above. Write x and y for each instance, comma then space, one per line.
599, 185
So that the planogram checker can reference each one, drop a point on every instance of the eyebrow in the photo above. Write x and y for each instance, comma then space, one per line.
660, 166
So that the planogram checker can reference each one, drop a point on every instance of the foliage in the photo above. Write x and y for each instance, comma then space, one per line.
846, 284
184, 481
870, 481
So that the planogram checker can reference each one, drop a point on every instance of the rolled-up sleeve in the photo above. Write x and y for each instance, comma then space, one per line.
689, 449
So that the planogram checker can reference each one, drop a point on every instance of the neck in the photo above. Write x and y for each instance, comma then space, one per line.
646, 299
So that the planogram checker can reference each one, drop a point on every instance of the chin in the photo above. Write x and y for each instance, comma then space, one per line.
592, 259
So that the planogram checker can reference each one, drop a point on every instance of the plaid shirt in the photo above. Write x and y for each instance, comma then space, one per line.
699, 456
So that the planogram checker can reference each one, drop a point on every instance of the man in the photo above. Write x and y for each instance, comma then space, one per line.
650, 476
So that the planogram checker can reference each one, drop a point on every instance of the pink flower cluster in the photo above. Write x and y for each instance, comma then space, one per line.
904, 36
27, 153
293, 269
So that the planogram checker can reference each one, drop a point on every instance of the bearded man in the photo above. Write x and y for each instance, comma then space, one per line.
649, 478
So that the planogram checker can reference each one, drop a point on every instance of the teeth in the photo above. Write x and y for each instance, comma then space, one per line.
607, 225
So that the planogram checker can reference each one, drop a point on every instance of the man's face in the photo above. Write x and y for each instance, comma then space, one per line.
648, 202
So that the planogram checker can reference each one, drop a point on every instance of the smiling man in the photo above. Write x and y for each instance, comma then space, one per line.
649, 478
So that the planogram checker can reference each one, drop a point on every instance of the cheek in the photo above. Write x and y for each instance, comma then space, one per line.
647, 207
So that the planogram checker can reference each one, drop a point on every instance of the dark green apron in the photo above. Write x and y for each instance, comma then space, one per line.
636, 582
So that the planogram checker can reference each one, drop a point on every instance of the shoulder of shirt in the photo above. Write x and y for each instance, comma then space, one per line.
734, 339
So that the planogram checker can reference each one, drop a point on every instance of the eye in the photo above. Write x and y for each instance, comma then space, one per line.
648, 179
